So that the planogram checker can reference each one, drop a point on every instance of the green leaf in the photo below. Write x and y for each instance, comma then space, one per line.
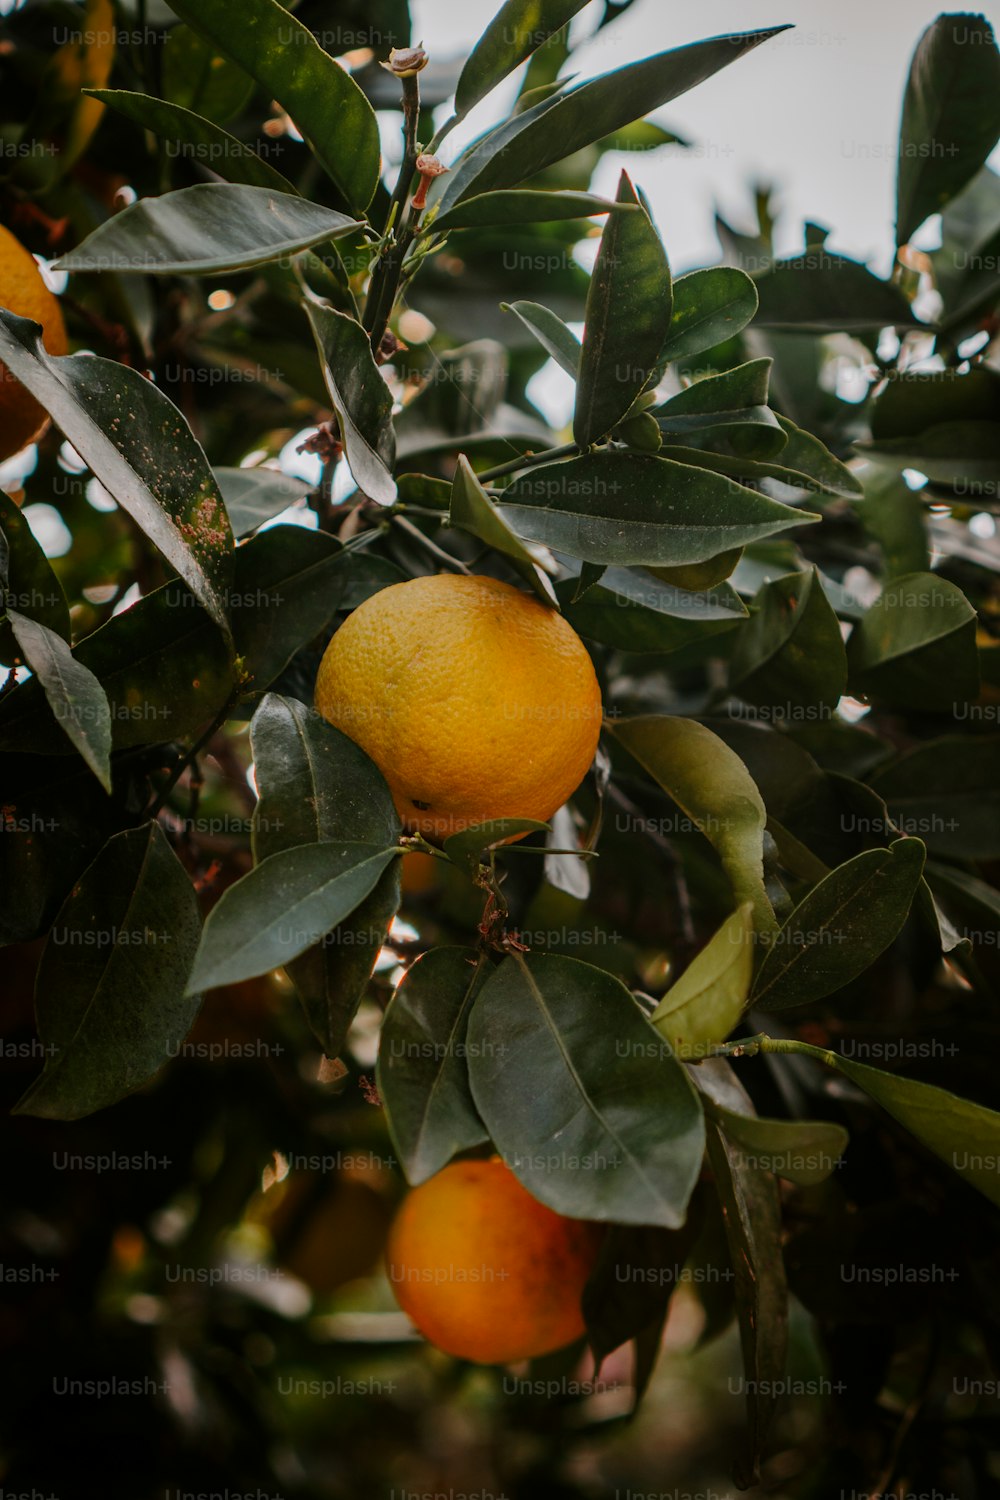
742, 386
289, 584
558, 341
74, 694
821, 293
524, 207
807, 463
709, 783
963, 1134
841, 927
201, 230
705, 1004
914, 400
631, 508
109, 997
627, 317
962, 455
163, 664
27, 582
253, 496
515, 32
753, 432
328, 107
422, 1070
951, 116
197, 77
558, 127
630, 1286
637, 612
473, 511
801, 1151
893, 515
141, 449
286, 904
710, 307
196, 139
791, 653
597, 1137
948, 792
317, 785
752, 1216
916, 645
464, 849
361, 399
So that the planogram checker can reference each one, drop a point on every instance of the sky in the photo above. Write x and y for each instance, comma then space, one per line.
815, 111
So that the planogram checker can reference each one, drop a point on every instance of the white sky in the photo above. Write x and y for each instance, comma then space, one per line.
815, 111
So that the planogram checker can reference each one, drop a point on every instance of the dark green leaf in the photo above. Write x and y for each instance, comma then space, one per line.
637, 612
639, 509
963, 455
791, 654
322, 98
951, 116
140, 448
211, 227
627, 317
821, 293
963, 1134
361, 399
916, 645
197, 77
752, 1216
617, 1139
947, 791
556, 129
287, 903
289, 584
524, 207
109, 997
316, 785
253, 496
74, 694
801, 1151
914, 400
27, 582
473, 511
423, 1077
710, 783
629, 1288
743, 386
196, 139
515, 32
556, 339
893, 515
465, 848
841, 927
807, 463
710, 307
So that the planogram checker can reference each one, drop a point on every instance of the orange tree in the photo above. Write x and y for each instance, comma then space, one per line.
662, 1004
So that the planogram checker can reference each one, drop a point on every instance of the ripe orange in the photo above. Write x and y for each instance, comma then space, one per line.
475, 701
23, 291
484, 1270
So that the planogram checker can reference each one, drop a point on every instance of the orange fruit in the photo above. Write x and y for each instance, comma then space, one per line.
474, 699
23, 291
484, 1270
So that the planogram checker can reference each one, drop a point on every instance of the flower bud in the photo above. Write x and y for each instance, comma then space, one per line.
429, 167
404, 62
